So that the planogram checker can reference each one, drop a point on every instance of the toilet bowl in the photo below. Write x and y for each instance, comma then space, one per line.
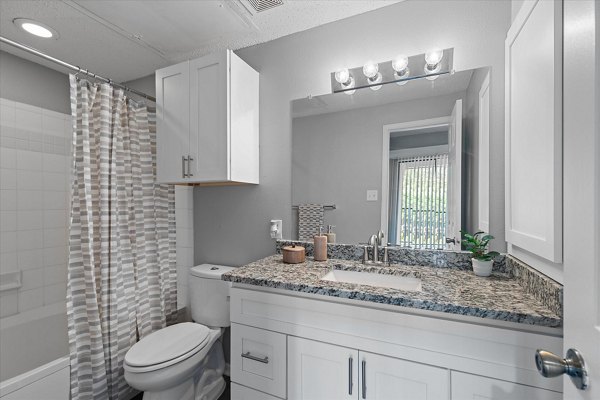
185, 361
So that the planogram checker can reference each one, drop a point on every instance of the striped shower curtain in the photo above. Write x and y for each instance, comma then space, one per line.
122, 273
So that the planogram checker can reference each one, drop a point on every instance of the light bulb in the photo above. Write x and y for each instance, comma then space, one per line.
377, 79
342, 76
370, 69
434, 56
400, 63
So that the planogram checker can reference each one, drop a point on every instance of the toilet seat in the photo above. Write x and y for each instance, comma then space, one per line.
166, 347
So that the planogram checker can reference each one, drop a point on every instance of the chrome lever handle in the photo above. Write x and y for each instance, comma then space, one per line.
264, 360
550, 365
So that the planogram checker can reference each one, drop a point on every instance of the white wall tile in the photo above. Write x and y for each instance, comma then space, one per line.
30, 299
8, 179
8, 142
55, 293
30, 200
8, 242
55, 274
28, 119
8, 200
54, 182
8, 158
7, 114
54, 256
185, 237
32, 279
56, 237
55, 218
29, 160
8, 221
30, 240
8, 262
30, 259
56, 200
29, 180
53, 125
54, 163
9, 303
28, 220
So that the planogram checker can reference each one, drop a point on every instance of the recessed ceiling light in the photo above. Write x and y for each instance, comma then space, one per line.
35, 28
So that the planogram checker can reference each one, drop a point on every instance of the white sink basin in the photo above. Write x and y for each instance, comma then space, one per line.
379, 280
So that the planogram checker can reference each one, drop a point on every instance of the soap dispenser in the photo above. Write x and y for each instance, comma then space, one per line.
320, 246
330, 235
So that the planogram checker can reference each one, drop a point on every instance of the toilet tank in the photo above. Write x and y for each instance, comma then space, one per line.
209, 295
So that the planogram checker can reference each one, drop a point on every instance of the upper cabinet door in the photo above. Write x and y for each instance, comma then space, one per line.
209, 118
384, 378
534, 130
172, 122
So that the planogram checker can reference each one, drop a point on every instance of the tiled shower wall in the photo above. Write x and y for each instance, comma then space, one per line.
34, 189
184, 219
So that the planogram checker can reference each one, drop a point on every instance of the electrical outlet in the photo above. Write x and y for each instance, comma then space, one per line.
371, 195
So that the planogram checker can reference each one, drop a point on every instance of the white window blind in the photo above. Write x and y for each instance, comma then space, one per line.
422, 201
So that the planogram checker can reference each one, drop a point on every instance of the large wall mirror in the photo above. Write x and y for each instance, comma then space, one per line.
411, 160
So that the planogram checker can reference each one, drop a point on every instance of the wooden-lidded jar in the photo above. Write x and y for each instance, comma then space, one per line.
293, 254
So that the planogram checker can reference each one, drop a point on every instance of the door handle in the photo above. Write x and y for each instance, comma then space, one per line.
550, 365
189, 160
350, 362
183, 161
364, 379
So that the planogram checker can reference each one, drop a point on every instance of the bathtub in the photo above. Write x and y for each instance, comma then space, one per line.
34, 348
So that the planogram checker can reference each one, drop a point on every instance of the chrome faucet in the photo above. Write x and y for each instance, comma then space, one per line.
374, 241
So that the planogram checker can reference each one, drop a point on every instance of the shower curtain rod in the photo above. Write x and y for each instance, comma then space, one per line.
79, 70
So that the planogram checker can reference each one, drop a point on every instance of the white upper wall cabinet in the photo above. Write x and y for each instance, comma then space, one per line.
207, 121
534, 130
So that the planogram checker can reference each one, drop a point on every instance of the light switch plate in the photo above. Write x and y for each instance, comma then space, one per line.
371, 195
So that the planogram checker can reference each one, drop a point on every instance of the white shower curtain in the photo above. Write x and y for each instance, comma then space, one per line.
122, 273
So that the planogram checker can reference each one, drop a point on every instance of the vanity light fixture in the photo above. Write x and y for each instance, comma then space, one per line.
343, 77
400, 70
35, 28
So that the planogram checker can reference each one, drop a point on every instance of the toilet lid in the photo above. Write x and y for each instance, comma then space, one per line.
166, 344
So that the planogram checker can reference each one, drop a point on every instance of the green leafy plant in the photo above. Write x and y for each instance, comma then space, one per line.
477, 244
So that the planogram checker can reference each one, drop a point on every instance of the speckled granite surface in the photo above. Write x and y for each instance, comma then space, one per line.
398, 255
449, 290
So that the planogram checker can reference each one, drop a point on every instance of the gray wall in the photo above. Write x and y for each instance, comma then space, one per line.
30, 83
419, 140
231, 224
336, 158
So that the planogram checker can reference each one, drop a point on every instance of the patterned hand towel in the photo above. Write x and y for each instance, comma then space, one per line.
310, 218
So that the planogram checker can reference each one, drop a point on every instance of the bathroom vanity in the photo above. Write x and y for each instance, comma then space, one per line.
316, 331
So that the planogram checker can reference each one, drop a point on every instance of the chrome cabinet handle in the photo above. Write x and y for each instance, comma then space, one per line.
550, 365
364, 379
189, 160
183, 161
249, 356
350, 362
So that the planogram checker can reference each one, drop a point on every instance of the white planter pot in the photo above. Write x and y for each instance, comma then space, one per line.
482, 268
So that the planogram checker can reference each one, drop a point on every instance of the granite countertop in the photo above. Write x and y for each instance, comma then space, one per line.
449, 290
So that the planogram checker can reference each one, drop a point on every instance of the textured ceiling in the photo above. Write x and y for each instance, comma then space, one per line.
124, 40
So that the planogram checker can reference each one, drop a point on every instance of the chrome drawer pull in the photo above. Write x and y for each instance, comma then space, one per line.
364, 379
350, 384
249, 356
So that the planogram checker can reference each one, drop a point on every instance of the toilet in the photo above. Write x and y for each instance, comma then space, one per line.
185, 361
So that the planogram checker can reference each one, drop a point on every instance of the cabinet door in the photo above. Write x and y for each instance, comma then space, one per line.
172, 122
209, 118
387, 378
534, 130
473, 387
320, 371
239, 392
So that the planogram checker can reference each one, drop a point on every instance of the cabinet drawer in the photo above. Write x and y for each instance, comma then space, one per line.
467, 386
239, 392
258, 359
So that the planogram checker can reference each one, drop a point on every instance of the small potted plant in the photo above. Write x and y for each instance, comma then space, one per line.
482, 260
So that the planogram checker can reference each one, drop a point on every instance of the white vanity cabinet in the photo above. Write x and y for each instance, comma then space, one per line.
311, 347
207, 121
